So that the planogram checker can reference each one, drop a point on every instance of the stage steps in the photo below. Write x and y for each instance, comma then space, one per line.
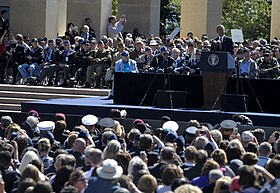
11, 96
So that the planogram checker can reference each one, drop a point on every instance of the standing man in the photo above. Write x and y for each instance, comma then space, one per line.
115, 27
4, 25
91, 30
222, 42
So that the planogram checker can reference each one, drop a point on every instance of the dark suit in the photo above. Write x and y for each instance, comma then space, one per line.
193, 172
10, 177
227, 44
156, 170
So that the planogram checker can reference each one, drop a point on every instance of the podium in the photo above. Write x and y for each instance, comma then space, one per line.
215, 66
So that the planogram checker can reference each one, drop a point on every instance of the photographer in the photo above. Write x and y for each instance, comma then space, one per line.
115, 27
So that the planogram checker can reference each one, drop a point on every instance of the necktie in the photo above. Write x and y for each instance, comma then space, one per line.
221, 43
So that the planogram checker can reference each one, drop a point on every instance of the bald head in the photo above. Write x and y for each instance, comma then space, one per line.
79, 145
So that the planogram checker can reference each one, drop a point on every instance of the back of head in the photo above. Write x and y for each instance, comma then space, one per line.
145, 141
259, 133
277, 146
6, 158
274, 167
190, 153
187, 188
250, 158
201, 156
167, 154
105, 136
177, 182
223, 184
136, 163
248, 175
30, 171
169, 173
147, 183
265, 149
42, 187
215, 174
220, 157
208, 166
111, 150
24, 184
200, 142
93, 156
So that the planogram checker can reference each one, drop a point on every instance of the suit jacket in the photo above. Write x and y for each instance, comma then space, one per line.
193, 172
99, 185
156, 170
10, 177
227, 44
51, 56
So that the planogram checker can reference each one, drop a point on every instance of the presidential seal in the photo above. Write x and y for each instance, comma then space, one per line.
213, 60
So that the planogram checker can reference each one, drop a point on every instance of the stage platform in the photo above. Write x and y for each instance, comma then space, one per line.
100, 107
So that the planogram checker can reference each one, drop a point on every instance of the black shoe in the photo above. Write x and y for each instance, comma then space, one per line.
87, 85
64, 84
50, 84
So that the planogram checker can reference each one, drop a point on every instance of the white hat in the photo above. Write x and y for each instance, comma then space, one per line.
46, 125
89, 120
191, 130
109, 170
247, 136
170, 125
153, 43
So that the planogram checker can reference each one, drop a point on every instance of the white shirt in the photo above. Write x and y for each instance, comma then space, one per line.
89, 172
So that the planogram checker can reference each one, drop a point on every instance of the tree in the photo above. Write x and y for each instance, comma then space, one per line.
252, 16
115, 7
170, 16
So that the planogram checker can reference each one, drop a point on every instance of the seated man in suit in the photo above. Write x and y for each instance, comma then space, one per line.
222, 42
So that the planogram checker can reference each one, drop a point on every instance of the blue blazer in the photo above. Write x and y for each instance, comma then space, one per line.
119, 67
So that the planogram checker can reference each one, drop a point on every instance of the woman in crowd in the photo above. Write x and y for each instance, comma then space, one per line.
79, 180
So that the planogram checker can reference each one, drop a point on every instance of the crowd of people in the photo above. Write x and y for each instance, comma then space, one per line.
104, 156
78, 58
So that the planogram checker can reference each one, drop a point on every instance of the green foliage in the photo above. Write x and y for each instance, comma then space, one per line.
115, 7
170, 16
252, 16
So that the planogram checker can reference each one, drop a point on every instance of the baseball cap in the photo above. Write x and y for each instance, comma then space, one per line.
125, 53
33, 113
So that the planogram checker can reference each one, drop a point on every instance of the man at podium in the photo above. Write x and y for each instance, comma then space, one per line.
222, 42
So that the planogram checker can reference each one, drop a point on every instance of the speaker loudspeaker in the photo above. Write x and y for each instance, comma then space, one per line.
234, 102
171, 99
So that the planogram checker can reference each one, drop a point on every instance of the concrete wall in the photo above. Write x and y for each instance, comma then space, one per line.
144, 15
200, 16
5, 3
37, 18
98, 10
28, 17
275, 22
